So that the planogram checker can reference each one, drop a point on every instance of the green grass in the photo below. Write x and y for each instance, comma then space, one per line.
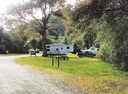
78, 66
89, 73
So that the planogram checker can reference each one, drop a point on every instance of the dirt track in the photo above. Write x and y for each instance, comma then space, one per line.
19, 79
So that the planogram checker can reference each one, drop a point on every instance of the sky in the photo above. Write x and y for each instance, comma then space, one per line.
71, 1
4, 4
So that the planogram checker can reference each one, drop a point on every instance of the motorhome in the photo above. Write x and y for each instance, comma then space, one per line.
59, 49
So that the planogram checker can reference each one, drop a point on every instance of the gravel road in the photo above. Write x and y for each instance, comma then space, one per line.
20, 79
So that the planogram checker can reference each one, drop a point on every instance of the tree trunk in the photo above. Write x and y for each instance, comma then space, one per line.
125, 63
44, 51
87, 44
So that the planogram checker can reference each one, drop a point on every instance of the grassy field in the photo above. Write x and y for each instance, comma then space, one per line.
89, 74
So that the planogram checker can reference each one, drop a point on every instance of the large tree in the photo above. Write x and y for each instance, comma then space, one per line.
38, 12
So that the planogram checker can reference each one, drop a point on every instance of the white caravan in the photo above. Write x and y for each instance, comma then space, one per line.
58, 49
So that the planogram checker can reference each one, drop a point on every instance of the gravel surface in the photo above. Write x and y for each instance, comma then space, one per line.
20, 79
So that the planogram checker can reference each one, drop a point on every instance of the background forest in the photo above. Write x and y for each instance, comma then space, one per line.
99, 23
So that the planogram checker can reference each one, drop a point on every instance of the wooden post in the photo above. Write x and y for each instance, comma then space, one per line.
53, 60
58, 61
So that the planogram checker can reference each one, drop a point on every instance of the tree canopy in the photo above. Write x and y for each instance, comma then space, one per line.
38, 13
93, 9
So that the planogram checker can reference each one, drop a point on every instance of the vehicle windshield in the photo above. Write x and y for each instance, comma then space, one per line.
92, 48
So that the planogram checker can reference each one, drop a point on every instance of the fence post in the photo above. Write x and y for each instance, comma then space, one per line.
52, 60
58, 61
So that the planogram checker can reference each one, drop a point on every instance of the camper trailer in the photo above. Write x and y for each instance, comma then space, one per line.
58, 49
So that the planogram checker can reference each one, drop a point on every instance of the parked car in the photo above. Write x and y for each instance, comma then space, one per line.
32, 50
85, 53
93, 50
89, 53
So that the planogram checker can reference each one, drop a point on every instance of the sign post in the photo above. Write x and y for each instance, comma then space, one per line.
52, 60
58, 61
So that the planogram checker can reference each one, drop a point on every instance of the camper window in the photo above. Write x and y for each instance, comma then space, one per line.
48, 46
48, 49
57, 49
68, 47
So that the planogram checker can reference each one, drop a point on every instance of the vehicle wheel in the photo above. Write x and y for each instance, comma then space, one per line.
80, 56
92, 56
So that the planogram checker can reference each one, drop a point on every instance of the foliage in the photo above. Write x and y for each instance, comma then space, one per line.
97, 8
105, 39
33, 43
69, 28
114, 43
17, 44
5, 41
120, 43
65, 40
89, 37
85, 35
56, 29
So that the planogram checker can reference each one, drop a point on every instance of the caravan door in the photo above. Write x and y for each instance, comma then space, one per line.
62, 50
